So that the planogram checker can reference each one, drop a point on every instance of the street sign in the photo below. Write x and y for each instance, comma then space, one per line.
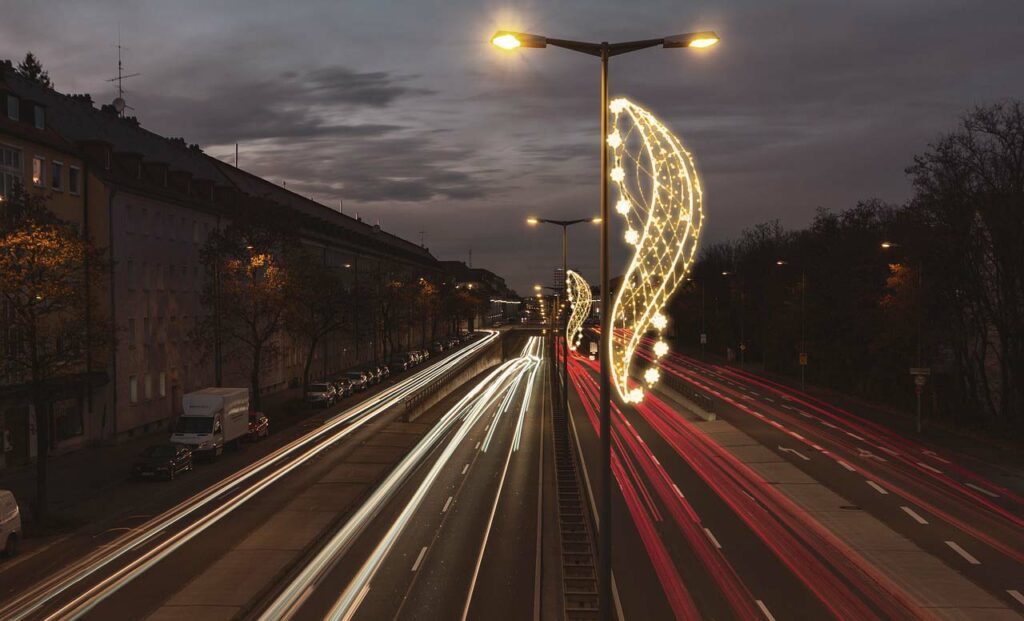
593, 347
920, 371
920, 380
703, 339
803, 359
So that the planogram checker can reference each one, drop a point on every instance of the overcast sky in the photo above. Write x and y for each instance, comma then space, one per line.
402, 112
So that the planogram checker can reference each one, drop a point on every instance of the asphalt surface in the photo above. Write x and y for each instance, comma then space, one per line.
462, 538
129, 569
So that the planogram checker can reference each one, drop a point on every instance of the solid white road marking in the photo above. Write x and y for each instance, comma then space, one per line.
465, 468
846, 465
982, 490
1015, 594
878, 488
419, 559
447, 503
764, 609
964, 553
711, 536
913, 514
935, 455
927, 467
477, 446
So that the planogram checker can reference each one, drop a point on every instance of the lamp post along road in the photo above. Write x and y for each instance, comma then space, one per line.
604, 50
565, 224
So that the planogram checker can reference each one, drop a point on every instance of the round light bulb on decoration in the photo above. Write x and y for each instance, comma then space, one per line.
618, 105
623, 206
659, 321
614, 139
651, 376
636, 395
660, 348
618, 174
632, 237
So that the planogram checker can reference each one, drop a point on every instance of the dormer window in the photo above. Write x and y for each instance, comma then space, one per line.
40, 117
13, 106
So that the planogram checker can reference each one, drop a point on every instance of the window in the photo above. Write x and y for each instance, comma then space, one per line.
13, 104
148, 386
37, 172
161, 384
11, 172
133, 389
40, 117
131, 333
57, 176
74, 180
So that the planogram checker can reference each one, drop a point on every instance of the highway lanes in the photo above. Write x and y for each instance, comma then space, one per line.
440, 540
85, 583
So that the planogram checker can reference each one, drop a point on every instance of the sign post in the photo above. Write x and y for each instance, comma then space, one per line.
920, 375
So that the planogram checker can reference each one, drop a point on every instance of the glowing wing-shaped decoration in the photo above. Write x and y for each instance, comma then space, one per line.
660, 199
579, 296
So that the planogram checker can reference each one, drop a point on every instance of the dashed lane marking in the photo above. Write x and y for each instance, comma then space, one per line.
964, 553
917, 518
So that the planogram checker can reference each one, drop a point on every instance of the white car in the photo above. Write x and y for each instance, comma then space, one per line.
10, 523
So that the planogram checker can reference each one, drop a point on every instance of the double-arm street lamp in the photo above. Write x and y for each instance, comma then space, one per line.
565, 224
604, 50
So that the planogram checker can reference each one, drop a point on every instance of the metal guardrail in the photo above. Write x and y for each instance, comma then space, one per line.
437, 383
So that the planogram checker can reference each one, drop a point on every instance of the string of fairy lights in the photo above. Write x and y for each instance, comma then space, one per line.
660, 199
580, 298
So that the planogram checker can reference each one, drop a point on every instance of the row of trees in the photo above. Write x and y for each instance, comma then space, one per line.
877, 289
263, 284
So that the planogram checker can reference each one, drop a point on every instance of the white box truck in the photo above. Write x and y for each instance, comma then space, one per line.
211, 419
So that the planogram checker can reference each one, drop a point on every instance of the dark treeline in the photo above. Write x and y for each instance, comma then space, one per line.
876, 289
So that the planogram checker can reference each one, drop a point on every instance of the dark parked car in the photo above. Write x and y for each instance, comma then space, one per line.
162, 460
397, 364
424, 354
358, 380
259, 426
385, 371
372, 376
436, 347
322, 394
342, 387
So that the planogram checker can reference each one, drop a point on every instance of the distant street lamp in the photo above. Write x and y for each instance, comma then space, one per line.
919, 372
565, 224
512, 40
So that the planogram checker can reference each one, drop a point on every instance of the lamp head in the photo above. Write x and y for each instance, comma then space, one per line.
692, 39
507, 40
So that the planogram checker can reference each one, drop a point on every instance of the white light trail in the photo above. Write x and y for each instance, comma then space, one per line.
469, 410
301, 449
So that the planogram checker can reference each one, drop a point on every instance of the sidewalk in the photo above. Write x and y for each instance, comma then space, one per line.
82, 475
1005, 455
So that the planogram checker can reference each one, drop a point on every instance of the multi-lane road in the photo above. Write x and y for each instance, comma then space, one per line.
789, 507
780, 506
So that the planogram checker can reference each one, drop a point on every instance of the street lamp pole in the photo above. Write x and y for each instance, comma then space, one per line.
604, 50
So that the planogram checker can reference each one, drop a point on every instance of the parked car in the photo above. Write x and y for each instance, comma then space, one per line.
162, 460
452, 342
436, 347
398, 363
358, 380
259, 426
342, 387
322, 394
10, 523
425, 354
385, 371
372, 377
416, 358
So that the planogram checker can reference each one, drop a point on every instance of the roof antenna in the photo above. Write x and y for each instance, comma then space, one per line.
119, 104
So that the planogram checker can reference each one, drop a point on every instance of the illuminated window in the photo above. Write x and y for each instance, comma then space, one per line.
57, 176
162, 384
133, 389
37, 172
